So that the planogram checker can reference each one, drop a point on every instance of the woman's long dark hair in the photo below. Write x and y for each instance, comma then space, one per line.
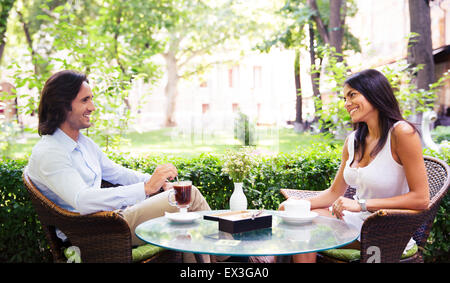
56, 99
376, 89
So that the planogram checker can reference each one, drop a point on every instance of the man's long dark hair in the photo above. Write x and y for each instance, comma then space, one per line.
376, 89
56, 99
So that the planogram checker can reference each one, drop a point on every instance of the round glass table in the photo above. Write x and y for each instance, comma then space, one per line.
282, 239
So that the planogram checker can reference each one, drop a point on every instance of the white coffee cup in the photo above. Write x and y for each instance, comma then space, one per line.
297, 207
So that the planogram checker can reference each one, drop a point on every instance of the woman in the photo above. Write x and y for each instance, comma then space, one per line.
382, 145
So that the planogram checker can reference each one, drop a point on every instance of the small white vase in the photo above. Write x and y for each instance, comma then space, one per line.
238, 200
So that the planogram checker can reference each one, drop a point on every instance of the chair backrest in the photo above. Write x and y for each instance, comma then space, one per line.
438, 176
438, 182
350, 192
88, 232
45, 210
437, 173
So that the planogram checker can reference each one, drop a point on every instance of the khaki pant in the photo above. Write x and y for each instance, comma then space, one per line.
156, 206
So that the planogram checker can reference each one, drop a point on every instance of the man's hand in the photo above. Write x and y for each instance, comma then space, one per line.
159, 177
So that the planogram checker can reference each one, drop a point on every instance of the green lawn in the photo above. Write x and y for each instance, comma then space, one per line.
172, 141
23, 147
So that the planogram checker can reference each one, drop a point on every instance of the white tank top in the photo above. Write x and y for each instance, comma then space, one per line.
383, 177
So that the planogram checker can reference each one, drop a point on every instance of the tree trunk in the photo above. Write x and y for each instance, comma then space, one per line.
4, 14
420, 50
171, 89
336, 27
320, 25
26, 30
2, 48
298, 89
315, 72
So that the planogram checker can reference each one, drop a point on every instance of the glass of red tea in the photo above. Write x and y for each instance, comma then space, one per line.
180, 196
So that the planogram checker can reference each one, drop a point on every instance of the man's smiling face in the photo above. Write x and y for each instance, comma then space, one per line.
82, 107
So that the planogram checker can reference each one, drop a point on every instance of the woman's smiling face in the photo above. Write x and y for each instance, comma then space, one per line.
358, 106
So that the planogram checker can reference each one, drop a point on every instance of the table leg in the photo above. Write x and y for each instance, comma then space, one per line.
284, 259
199, 258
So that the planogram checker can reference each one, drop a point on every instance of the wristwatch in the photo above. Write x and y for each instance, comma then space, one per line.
362, 203
157, 192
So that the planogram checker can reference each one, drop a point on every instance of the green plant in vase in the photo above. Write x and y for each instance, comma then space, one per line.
238, 164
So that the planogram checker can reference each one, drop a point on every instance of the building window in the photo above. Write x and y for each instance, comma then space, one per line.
257, 76
235, 107
233, 76
258, 111
205, 108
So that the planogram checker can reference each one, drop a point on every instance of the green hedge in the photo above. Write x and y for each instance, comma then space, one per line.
307, 169
438, 246
441, 133
21, 236
22, 239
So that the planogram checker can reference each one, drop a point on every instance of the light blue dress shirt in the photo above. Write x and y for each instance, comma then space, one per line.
69, 173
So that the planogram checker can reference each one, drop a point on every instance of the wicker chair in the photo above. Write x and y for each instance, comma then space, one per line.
101, 237
391, 229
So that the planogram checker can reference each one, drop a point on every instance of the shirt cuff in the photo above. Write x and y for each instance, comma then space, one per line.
139, 192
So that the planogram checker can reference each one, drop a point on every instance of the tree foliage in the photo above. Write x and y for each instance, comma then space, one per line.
108, 40
305, 19
400, 75
5, 7
195, 35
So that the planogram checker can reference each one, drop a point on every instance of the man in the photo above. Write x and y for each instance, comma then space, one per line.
68, 167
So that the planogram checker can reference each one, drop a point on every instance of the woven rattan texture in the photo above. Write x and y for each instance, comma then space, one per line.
101, 237
391, 229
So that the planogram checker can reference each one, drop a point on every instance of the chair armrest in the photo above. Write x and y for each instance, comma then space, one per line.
287, 193
388, 231
102, 236
300, 194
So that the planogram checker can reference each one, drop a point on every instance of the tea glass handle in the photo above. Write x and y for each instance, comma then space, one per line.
170, 197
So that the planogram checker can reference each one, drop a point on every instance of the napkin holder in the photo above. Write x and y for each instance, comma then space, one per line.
240, 221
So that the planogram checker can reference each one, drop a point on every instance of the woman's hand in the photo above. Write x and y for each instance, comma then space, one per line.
343, 203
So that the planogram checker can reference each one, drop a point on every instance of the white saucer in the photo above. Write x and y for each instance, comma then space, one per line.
178, 217
296, 219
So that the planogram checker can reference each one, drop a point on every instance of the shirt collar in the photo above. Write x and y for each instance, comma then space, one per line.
67, 142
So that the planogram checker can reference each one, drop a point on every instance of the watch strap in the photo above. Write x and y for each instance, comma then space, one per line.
362, 203
157, 192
